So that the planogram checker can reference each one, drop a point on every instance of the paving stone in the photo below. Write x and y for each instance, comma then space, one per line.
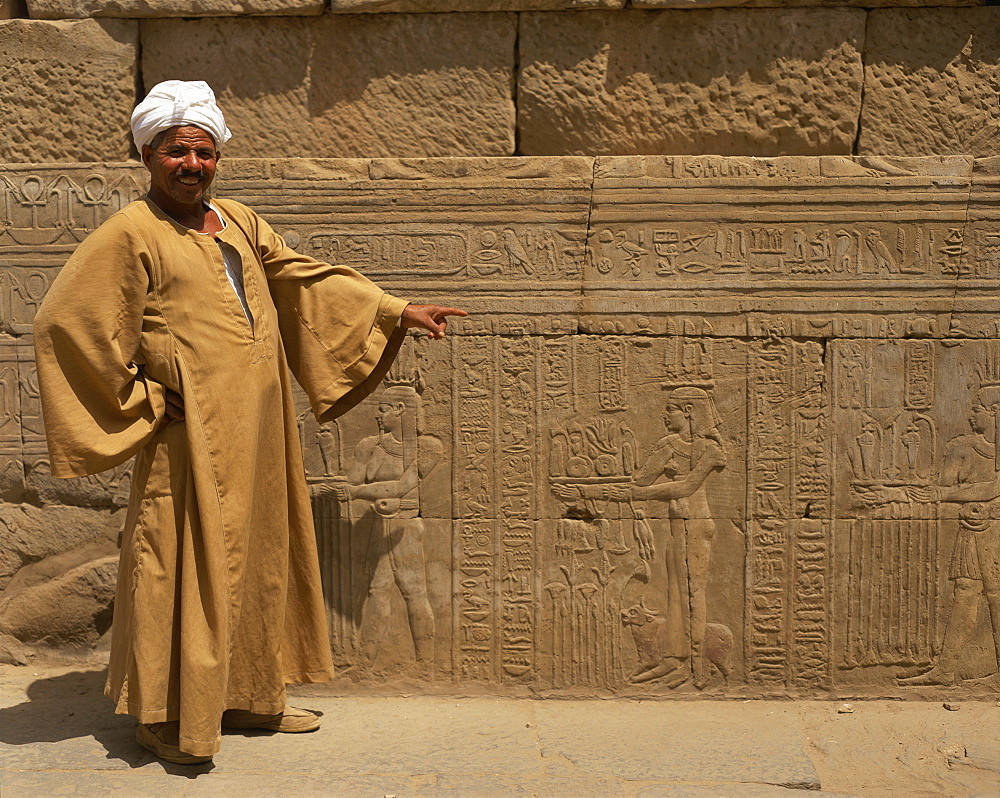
931, 78
349, 85
763, 748
727, 81
52, 77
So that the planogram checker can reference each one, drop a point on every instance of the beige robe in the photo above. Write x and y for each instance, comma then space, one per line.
219, 602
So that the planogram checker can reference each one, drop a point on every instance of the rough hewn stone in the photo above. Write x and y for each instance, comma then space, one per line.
931, 82
796, 3
71, 609
728, 81
350, 85
13, 651
29, 534
66, 89
368, 6
81, 9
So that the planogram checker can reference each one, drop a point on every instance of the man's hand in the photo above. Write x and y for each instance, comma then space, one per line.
175, 406
432, 318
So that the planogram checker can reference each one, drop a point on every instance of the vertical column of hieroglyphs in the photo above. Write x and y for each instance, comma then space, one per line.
476, 638
789, 471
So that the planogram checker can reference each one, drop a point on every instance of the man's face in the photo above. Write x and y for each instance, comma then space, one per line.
183, 164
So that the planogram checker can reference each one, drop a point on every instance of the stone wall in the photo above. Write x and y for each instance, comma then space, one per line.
733, 368
727, 81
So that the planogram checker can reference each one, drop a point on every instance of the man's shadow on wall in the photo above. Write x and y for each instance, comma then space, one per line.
73, 705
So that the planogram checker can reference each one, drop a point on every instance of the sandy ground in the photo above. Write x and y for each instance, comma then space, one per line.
59, 738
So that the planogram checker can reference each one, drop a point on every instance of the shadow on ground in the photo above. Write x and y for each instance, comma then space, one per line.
72, 705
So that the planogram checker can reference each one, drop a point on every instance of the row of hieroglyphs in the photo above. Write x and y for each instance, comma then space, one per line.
716, 424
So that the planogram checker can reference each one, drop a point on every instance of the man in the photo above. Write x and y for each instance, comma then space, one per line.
166, 336
385, 473
970, 477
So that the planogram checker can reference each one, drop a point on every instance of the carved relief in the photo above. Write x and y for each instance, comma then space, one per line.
689, 440
634, 543
369, 514
924, 579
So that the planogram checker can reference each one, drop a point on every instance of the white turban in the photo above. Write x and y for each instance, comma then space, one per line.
178, 102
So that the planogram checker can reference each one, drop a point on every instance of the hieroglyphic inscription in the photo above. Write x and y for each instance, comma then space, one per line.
476, 609
768, 478
516, 424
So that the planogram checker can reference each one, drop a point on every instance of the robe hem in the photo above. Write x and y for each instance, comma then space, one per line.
310, 677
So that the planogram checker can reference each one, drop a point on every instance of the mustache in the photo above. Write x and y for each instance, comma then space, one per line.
197, 173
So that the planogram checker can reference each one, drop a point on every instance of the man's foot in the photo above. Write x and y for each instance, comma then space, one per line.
291, 721
162, 740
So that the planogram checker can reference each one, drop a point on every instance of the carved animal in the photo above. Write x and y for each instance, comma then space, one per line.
719, 648
649, 633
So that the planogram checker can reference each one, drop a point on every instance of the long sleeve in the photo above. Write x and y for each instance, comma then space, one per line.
340, 331
97, 405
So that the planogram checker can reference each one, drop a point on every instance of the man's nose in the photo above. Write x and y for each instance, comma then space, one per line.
191, 161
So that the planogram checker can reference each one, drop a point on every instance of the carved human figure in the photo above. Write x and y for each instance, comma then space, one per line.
386, 471
676, 472
970, 476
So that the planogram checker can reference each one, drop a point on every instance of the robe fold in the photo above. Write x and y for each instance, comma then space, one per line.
219, 600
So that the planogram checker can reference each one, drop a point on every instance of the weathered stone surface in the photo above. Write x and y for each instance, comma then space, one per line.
431, 226
29, 534
797, 3
727, 81
350, 85
82, 9
72, 609
52, 78
13, 651
368, 6
931, 78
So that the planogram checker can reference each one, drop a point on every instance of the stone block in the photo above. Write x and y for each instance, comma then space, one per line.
727, 81
29, 534
72, 609
469, 227
931, 78
66, 90
350, 85
796, 3
370, 6
135, 9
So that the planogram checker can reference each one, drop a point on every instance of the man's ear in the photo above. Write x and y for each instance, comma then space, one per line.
147, 154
